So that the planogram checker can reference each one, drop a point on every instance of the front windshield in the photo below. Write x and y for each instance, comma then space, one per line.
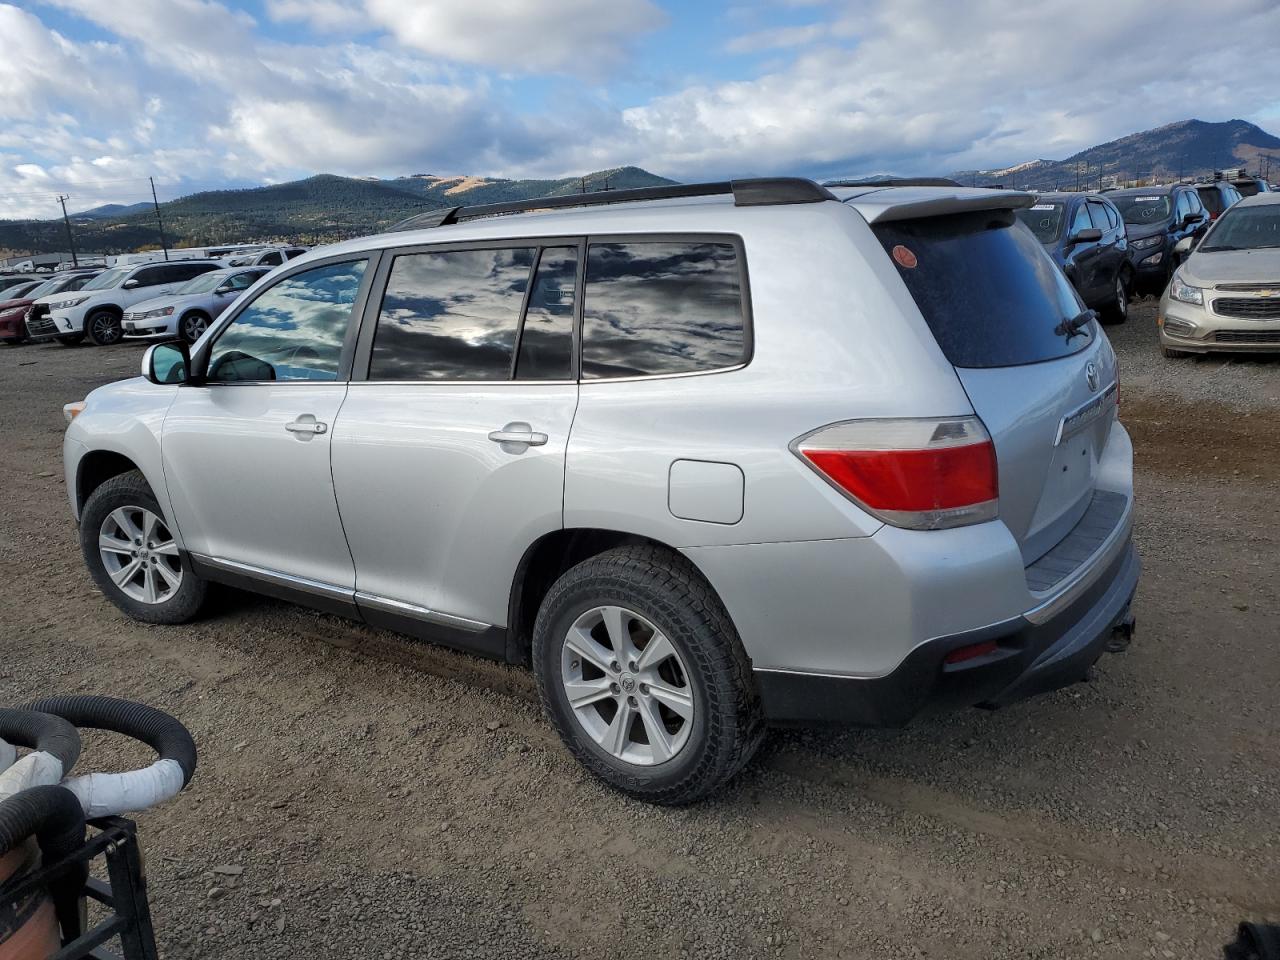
1245, 228
1044, 219
1138, 209
105, 281
49, 286
203, 283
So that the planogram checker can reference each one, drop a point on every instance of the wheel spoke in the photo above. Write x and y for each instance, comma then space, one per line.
615, 623
114, 544
679, 700
171, 577
658, 648
617, 736
659, 740
167, 549
585, 646
127, 572
149, 583
148, 525
584, 692
120, 517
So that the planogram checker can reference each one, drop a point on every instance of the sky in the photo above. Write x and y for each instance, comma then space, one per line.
96, 96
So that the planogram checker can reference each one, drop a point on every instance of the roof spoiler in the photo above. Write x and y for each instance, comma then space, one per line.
940, 206
755, 192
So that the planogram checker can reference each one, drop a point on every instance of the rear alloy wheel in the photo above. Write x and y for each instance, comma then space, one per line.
644, 677
104, 327
193, 325
132, 555
1117, 311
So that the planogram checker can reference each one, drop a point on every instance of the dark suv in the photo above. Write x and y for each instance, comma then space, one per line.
1156, 219
1217, 196
1085, 235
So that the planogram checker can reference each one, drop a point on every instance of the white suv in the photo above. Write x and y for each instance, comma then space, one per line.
96, 310
705, 456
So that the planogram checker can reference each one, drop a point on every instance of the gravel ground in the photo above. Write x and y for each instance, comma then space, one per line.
363, 796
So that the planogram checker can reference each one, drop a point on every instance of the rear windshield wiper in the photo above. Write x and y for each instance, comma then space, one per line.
1075, 326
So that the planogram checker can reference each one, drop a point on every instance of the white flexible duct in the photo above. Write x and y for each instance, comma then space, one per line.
107, 794
34, 770
8, 754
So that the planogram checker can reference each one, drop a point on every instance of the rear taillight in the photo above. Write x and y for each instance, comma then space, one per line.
923, 474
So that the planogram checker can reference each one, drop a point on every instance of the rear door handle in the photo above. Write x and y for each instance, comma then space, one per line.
518, 433
307, 426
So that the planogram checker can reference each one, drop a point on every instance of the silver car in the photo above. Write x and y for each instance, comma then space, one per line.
1226, 296
188, 311
705, 456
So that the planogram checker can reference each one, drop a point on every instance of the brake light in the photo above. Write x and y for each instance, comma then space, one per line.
922, 474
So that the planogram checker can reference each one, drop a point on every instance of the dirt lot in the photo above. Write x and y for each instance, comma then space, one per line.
355, 777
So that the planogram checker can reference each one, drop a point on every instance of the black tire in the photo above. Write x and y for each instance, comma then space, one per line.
71, 339
195, 316
131, 490
1117, 309
104, 327
666, 589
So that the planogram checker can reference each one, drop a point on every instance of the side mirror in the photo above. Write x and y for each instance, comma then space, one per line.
131, 283
1087, 235
1189, 219
223, 290
1184, 246
168, 362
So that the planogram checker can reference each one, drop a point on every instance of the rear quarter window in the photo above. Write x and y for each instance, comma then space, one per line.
663, 307
986, 288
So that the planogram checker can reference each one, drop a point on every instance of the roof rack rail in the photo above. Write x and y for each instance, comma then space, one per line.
895, 182
754, 192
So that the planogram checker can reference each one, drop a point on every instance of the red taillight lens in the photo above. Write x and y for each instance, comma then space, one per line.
971, 652
924, 474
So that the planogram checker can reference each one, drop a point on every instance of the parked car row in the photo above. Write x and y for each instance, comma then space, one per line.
154, 299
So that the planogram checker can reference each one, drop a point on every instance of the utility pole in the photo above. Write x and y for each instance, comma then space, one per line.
156, 203
62, 199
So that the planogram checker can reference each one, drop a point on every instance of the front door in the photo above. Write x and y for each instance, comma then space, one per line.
448, 459
246, 452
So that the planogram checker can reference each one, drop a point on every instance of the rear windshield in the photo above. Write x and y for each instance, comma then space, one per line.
1247, 188
1044, 220
1211, 198
1143, 208
989, 292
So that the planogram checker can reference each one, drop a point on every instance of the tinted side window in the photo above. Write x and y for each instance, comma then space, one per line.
662, 307
1113, 215
150, 276
1099, 214
293, 330
546, 338
1081, 220
451, 315
273, 259
1193, 202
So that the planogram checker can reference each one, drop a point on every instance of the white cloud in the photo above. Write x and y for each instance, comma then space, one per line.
517, 36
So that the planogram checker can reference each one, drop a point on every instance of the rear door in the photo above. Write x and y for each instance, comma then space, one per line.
449, 452
996, 306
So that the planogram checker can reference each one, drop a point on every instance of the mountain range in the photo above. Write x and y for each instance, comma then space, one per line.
325, 208
1188, 148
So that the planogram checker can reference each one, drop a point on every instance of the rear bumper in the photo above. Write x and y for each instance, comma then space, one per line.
1029, 658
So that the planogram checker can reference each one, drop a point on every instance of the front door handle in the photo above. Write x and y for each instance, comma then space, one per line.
306, 427
520, 433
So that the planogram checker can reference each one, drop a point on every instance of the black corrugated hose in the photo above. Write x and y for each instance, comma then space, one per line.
41, 731
54, 817
1256, 941
165, 735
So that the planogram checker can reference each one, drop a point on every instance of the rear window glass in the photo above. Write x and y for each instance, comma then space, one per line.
660, 307
987, 289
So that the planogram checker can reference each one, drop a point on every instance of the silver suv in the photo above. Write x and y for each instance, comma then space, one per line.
705, 457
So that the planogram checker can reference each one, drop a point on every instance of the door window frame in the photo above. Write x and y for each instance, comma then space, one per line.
374, 258
373, 307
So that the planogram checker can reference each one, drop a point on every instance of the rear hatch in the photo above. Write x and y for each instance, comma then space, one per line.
996, 305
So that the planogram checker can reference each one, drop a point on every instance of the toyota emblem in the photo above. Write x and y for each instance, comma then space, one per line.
1091, 375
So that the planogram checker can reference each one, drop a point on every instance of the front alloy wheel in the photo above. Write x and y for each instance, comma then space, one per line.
627, 685
140, 555
105, 328
193, 325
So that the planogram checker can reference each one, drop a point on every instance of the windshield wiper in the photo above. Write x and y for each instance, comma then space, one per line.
1075, 326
